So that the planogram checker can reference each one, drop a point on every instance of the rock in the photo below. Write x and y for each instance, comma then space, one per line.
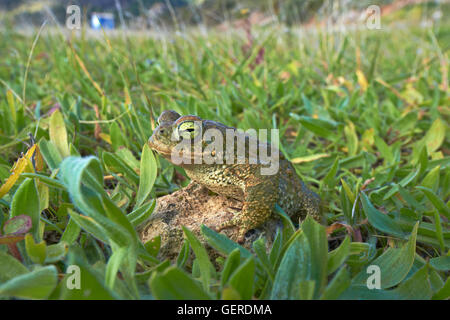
191, 207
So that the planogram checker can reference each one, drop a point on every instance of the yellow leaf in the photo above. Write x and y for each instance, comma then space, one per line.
24, 164
310, 158
362, 80
127, 97
105, 137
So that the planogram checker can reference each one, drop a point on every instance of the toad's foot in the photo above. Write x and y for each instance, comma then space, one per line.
236, 221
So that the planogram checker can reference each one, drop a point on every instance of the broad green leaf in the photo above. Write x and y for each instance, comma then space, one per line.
17, 225
431, 180
379, 220
242, 279
141, 214
435, 135
35, 251
221, 243
58, 133
50, 154
340, 282
26, 202
56, 252
117, 165
394, 264
231, 264
296, 265
306, 289
113, 266
183, 255
417, 287
259, 247
71, 232
174, 284
361, 292
444, 292
37, 284
441, 263
317, 239
338, 256
202, 258
321, 127
147, 177
10, 267
153, 245
91, 282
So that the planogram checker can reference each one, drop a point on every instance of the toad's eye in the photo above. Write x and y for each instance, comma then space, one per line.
189, 129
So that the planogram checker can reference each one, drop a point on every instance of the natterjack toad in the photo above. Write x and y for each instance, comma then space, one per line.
235, 164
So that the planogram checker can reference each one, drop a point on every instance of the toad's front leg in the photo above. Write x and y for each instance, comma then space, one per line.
259, 201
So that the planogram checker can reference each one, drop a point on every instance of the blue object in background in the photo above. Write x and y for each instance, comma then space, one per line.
102, 20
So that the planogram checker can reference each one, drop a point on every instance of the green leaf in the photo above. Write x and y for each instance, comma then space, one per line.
71, 232
117, 165
417, 287
317, 239
330, 179
202, 256
321, 127
341, 281
90, 281
361, 292
296, 265
117, 137
259, 247
338, 256
35, 251
441, 263
50, 154
394, 264
58, 133
113, 266
306, 289
379, 220
431, 180
56, 252
435, 135
26, 202
141, 214
10, 267
242, 279
37, 284
444, 292
148, 170
231, 264
183, 255
221, 243
17, 225
174, 284
437, 202
153, 245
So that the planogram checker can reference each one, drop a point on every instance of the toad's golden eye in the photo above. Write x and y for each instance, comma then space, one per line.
189, 129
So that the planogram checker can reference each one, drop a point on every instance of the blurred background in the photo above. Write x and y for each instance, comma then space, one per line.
222, 14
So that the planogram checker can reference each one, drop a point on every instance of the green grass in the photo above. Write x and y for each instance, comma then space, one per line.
364, 117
